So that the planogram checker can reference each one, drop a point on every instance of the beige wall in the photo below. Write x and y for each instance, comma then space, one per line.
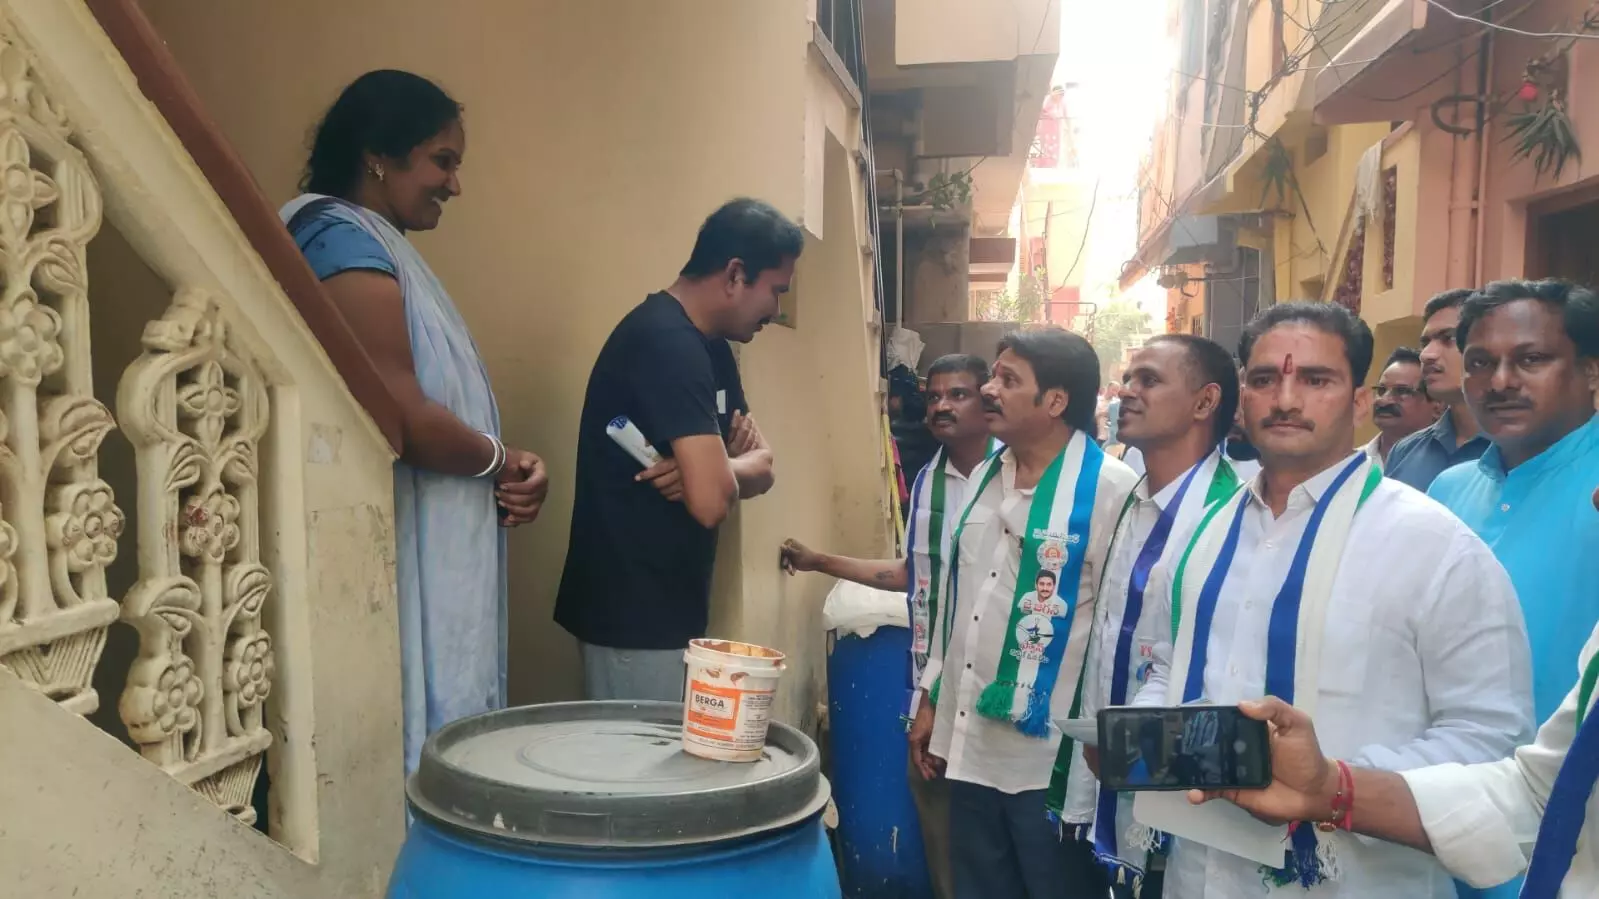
813, 389
597, 142
946, 31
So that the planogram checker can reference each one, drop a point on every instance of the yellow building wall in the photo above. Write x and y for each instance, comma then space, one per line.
1308, 236
598, 139
1380, 305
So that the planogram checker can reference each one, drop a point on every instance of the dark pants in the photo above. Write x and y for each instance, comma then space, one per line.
1003, 847
932, 807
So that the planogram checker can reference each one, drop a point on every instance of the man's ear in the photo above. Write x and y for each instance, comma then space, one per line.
1056, 399
1209, 401
1362, 404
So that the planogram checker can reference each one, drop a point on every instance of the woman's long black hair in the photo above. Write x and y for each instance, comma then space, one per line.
385, 113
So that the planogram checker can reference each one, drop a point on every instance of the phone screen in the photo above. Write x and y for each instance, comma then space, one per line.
1182, 748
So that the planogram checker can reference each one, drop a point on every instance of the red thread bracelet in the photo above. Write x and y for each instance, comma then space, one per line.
1343, 802
1346, 777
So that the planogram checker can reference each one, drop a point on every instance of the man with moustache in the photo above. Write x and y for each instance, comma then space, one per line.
1487, 822
1531, 356
1004, 662
1400, 405
1341, 592
955, 418
1454, 438
1179, 399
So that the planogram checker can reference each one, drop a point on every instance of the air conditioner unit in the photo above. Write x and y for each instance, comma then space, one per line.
1201, 238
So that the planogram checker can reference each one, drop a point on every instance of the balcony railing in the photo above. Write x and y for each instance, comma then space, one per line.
840, 22
195, 406
168, 430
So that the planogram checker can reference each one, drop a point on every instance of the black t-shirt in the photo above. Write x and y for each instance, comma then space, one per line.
638, 568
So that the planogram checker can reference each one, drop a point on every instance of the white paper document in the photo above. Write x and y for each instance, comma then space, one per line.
1219, 825
1083, 730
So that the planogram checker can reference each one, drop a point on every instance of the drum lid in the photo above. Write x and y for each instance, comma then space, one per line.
608, 775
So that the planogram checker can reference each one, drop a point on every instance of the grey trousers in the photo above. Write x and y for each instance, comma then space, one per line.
639, 675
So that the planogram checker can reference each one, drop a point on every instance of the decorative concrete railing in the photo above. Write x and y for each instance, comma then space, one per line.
195, 407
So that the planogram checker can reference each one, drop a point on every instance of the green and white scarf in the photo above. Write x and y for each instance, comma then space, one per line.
928, 546
1056, 541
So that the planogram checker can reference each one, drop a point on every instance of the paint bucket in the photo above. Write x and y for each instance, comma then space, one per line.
727, 699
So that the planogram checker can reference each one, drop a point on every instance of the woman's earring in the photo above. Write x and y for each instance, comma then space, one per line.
378, 171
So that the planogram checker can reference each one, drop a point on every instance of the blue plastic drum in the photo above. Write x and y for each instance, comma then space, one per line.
879, 831
597, 800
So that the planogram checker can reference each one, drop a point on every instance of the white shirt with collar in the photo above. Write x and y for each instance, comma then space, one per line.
956, 487
1482, 819
1134, 532
1424, 660
1246, 469
1373, 451
978, 750
956, 493
1134, 459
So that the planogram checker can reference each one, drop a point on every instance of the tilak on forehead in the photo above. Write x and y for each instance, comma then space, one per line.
1288, 364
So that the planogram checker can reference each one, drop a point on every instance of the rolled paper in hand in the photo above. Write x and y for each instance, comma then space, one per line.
631, 440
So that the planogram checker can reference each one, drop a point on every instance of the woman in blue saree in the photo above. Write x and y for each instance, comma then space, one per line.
383, 163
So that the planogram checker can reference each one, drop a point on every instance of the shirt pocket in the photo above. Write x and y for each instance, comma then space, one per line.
1349, 640
978, 523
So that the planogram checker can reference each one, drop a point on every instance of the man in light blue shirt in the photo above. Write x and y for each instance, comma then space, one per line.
1531, 361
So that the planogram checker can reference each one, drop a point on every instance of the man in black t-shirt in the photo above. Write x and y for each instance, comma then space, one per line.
637, 582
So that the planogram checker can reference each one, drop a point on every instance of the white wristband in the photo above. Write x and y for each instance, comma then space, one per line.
497, 461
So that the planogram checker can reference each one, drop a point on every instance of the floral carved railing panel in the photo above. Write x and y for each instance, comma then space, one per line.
196, 409
59, 522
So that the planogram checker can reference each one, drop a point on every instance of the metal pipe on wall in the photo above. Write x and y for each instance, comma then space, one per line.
899, 248
1479, 198
1463, 180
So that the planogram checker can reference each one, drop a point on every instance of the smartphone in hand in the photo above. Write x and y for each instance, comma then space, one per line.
1191, 747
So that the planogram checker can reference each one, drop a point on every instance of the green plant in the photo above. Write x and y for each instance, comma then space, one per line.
1544, 134
946, 191
1113, 328
998, 306
1542, 131
1024, 305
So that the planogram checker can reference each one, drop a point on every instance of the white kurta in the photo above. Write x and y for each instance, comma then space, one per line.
1136, 526
1424, 660
979, 750
1482, 819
